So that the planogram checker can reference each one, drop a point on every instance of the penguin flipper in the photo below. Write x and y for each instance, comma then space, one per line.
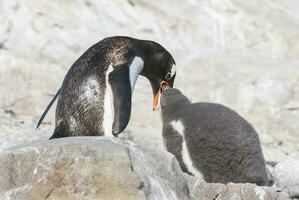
47, 109
119, 81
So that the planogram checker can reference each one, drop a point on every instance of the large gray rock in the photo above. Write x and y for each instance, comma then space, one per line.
89, 168
212, 191
286, 176
108, 168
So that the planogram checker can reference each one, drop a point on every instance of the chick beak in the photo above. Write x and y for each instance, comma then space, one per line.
163, 85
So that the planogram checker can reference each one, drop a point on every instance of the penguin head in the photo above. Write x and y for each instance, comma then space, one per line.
172, 98
159, 67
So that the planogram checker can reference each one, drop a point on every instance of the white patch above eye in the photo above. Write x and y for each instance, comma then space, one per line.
173, 70
134, 70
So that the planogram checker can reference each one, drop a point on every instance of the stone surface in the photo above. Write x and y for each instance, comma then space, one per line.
89, 168
211, 191
108, 168
287, 176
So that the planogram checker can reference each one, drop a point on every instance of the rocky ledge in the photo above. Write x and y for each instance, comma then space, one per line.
107, 168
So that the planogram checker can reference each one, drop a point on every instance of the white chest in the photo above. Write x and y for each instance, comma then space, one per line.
108, 106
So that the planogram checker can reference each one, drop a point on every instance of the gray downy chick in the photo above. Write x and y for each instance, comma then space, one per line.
212, 141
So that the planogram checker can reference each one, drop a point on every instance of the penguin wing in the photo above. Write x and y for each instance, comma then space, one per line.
47, 109
119, 81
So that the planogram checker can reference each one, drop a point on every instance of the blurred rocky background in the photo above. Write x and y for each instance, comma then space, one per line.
243, 54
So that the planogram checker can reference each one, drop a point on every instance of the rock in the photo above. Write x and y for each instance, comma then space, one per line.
19, 130
108, 168
29, 82
89, 168
286, 175
213, 191
197, 28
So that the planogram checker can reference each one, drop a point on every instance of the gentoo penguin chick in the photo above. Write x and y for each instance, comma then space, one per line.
95, 96
212, 141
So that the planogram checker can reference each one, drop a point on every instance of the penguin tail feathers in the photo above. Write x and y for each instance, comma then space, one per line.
47, 109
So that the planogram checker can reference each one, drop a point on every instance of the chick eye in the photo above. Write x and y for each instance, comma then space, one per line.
168, 76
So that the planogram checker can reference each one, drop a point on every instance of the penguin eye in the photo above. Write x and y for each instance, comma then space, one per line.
168, 76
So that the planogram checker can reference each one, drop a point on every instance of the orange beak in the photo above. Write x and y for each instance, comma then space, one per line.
163, 86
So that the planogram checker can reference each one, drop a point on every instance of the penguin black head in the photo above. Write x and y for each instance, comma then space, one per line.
159, 67
172, 98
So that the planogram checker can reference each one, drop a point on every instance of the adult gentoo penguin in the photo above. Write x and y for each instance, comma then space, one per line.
212, 141
95, 96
